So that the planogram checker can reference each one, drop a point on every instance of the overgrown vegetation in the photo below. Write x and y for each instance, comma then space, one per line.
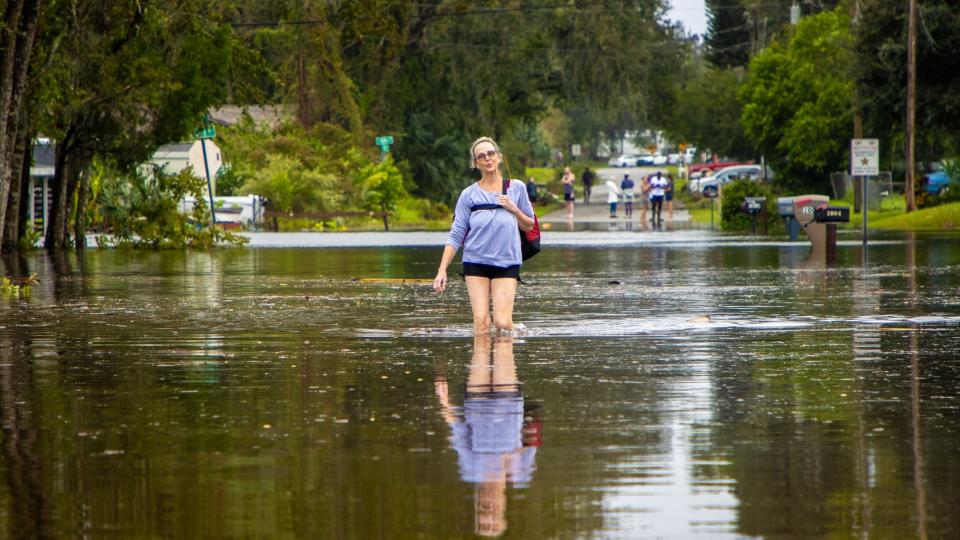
142, 209
733, 216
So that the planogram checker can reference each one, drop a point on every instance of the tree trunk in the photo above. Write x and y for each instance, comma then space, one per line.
11, 229
9, 28
26, 187
80, 220
21, 23
73, 181
55, 238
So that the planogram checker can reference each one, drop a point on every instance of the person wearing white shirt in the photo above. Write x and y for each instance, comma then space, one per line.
613, 195
658, 189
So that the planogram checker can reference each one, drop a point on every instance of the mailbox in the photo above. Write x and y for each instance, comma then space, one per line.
787, 211
753, 205
831, 214
785, 206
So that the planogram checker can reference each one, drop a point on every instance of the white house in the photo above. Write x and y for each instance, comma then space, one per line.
177, 157
41, 179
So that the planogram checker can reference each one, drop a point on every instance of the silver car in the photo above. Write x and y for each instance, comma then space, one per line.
726, 175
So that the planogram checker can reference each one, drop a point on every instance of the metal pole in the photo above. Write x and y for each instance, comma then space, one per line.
863, 206
206, 170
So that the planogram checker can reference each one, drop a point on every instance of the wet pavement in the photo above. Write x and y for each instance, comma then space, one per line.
689, 385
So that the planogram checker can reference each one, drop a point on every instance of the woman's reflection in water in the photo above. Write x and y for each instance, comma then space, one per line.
496, 435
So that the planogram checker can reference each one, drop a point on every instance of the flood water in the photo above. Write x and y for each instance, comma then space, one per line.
669, 389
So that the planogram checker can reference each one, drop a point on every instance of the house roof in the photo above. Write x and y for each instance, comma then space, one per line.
270, 115
176, 148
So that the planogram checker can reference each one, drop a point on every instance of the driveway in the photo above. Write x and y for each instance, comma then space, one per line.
598, 211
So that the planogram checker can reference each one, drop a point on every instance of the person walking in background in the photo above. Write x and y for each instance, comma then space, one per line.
658, 186
532, 190
491, 252
669, 197
567, 180
587, 178
626, 187
613, 194
644, 198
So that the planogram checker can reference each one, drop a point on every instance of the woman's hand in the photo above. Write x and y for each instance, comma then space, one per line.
440, 282
507, 203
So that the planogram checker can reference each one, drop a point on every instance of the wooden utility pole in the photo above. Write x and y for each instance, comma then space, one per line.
857, 122
911, 102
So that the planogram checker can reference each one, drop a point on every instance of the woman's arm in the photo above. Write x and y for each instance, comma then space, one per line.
440, 282
523, 211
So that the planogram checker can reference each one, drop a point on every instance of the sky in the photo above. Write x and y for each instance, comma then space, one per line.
692, 13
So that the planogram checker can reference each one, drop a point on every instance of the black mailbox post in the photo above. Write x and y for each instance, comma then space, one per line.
753, 206
830, 216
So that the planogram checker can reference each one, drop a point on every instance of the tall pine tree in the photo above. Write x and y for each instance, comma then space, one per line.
728, 34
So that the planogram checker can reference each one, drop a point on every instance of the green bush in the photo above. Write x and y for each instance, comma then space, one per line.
733, 218
141, 210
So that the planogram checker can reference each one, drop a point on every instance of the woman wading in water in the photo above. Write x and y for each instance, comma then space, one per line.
489, 237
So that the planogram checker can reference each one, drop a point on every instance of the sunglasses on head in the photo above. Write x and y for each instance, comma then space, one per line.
486, 155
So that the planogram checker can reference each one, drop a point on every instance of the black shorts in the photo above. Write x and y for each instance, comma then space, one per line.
568, 196
490, 271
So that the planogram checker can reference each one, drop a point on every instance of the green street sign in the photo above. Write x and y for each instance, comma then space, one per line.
207, 132
384, 140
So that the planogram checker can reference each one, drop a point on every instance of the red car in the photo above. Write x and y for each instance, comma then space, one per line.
699, 169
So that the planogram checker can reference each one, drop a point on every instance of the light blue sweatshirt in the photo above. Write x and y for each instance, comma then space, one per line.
493, 237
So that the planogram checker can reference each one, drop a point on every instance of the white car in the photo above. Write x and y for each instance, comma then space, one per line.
653, 159
626, 160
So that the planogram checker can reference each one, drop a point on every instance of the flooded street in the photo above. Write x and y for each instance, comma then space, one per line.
668, 386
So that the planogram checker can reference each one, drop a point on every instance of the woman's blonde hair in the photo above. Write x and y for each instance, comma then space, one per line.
473, 157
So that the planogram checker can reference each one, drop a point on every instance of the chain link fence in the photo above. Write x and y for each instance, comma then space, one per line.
845, 187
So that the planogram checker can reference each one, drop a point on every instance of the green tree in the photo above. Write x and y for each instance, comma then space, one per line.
728, 34
381, 186
798, 101
291, 186
708, 111
126, 78
881, 53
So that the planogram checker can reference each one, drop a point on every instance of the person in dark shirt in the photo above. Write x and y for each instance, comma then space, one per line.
626, 187
587, 178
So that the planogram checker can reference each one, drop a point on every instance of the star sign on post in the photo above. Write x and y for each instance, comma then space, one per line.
865, 157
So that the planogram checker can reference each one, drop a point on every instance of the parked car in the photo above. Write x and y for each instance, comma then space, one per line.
698, 170
709, 185
937, 182
653, 159
626, 160
673, 159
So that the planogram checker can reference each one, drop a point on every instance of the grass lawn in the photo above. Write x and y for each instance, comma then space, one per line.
892, 215
943, 217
